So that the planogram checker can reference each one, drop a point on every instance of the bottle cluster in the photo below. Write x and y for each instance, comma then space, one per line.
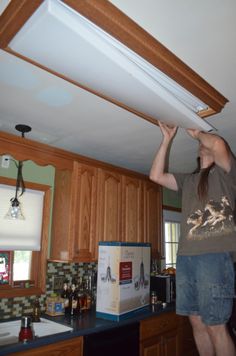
78, 296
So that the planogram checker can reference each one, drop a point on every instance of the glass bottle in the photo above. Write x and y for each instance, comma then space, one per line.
73, 300
26, 333
65, 295
36, 310
153, 298
80, 301
81, 296
94, 286
88, 293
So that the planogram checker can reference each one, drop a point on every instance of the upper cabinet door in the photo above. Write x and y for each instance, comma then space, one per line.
62, 220
132, 210
85, 213
153, 217
74, 214
100, 204
109, 205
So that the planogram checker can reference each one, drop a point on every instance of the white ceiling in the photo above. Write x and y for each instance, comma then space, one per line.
201, 33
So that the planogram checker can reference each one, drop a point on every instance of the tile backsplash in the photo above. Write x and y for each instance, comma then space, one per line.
16, 307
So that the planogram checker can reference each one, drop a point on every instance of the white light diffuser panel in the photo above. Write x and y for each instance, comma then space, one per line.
61, 39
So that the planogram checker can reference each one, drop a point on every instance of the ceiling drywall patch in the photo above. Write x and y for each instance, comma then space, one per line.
55, 97
18, 75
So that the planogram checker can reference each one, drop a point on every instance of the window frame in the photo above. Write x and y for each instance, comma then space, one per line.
39, 258
169, 215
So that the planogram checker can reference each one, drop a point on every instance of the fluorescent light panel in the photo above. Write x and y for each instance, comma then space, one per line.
193, 103
63, 40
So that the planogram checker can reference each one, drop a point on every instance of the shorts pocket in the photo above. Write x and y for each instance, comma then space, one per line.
221, 304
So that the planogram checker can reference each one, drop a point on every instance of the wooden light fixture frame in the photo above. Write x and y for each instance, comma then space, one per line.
117, 24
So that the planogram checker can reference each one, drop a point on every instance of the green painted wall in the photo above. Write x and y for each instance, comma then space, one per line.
32, 173
171, 198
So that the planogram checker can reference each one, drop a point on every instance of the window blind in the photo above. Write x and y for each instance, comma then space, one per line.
21, 234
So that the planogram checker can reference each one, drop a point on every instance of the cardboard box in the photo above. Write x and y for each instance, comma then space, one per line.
123, 282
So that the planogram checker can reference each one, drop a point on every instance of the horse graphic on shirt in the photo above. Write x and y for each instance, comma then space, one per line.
215, 218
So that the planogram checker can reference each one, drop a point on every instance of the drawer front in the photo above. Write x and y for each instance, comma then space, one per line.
158, 324
71, 347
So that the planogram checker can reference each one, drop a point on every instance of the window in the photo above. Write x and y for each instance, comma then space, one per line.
171, 236
22, 262
26, 279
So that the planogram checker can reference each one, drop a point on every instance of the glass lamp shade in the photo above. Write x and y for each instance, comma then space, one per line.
14, 212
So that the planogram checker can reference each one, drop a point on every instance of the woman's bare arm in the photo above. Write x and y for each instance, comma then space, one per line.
157, 172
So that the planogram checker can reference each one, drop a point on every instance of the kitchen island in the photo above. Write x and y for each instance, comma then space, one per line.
159, 328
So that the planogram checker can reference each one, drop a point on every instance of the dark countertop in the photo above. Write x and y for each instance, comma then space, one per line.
82, 325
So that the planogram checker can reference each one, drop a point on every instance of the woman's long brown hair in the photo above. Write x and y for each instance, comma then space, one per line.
202, 188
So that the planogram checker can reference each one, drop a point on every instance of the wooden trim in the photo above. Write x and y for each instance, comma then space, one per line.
206, 113
14, 17
40, 278
25, 149
171, 208
121, 27
59, 261
30, 185
20, 292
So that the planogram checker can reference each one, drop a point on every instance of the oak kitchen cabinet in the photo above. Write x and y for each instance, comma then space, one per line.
159, 336
71, 347
132, 209
85, 194
153, 217
93, 204
188, 347
166, 335
109, 205
74, 214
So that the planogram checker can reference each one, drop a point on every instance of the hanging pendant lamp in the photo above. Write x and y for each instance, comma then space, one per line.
15, 211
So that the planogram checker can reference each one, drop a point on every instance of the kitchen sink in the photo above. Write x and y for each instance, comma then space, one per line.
9, 330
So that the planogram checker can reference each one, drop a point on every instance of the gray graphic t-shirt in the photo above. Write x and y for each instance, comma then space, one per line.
208, 226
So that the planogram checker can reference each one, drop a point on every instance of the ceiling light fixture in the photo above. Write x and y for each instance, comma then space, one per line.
136, 84
14, 211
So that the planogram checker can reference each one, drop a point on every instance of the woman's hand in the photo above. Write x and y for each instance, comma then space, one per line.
167, 131
194, 133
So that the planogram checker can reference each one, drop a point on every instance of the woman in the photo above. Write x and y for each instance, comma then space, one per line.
205, 273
